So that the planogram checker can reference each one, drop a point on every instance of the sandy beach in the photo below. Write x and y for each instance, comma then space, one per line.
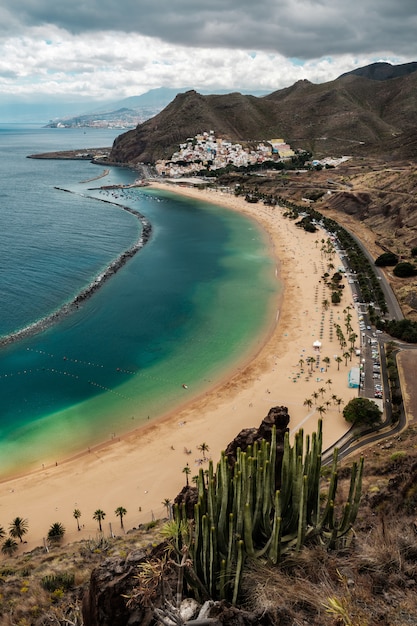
142, 469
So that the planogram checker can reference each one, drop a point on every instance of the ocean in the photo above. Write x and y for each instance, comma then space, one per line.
190, 305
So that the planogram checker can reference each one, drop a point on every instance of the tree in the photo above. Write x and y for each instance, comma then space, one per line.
56, 533
99, 516
322, 390
18, 528
404, 269
9, 547
77, 515
120, 512
2, 532
311, 360
187, 472
361, 411
335, 297
167, 505
321, 409
308, 402
203, 447
326, 361
387, 258
338, 360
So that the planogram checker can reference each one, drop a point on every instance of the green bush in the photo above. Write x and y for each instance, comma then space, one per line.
404, 269
52, 582
388, 258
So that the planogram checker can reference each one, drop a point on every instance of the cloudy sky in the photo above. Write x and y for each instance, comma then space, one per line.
108, 49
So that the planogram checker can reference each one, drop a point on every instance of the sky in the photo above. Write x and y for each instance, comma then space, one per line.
77, 51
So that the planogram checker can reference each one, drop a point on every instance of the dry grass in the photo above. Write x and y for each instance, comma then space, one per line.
24, 601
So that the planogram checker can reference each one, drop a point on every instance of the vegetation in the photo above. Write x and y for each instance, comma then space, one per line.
56, 533
362, 412
404, 269
404, 329
387, 258
120, 512
18, 528
242, 515
99, 516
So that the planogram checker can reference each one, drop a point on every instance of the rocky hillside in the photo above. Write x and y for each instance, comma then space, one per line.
350, 115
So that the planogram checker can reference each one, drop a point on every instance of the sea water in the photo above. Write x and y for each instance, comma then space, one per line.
168, 325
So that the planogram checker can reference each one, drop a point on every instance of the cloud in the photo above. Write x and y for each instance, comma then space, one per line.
299, 28
112, 49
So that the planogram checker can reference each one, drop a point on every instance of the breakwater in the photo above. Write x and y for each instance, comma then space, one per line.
94, 285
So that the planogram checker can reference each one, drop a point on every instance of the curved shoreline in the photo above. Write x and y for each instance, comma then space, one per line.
107, 476
94, 285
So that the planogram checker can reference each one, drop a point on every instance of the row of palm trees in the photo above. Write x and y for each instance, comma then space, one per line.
19, 527
322, 408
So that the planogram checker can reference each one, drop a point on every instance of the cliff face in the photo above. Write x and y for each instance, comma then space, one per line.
350, 115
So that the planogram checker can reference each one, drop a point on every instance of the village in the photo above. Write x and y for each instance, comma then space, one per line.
206, 151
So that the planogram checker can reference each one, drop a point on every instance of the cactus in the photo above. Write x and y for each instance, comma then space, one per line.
241, 515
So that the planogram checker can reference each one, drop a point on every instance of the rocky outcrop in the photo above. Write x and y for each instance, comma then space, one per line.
115, 580
278, 417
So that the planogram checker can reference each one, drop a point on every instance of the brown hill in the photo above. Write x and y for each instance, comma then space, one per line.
350, 115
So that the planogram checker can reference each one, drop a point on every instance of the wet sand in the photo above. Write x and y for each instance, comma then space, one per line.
140, 470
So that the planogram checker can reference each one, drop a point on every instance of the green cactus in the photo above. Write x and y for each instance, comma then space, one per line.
241, 514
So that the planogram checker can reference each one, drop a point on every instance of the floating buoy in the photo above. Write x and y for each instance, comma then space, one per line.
185, 386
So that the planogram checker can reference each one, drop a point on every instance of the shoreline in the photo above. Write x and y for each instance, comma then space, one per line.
142, 468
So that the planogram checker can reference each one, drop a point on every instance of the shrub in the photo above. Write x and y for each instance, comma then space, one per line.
388, 258
404, 269
52, 582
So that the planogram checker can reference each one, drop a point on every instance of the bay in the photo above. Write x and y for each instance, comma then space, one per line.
184, 310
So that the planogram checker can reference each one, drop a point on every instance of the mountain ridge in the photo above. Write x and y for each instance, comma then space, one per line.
352, 114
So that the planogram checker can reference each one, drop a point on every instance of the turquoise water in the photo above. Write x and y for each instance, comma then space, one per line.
188, 306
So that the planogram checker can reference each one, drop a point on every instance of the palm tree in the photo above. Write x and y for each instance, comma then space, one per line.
322, 390
308, 402
167, 505
315, 396
56, 533
311, 360
18, 528
2, 532
301, 363
9, 547
326, 361
99, 515
338, 360
339, 401
187, 472
203, 447
346, 356
77, 515
321, 409
329, 382
120, 512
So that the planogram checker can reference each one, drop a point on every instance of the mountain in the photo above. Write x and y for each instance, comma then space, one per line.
127, 112
352, 115
383, 71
